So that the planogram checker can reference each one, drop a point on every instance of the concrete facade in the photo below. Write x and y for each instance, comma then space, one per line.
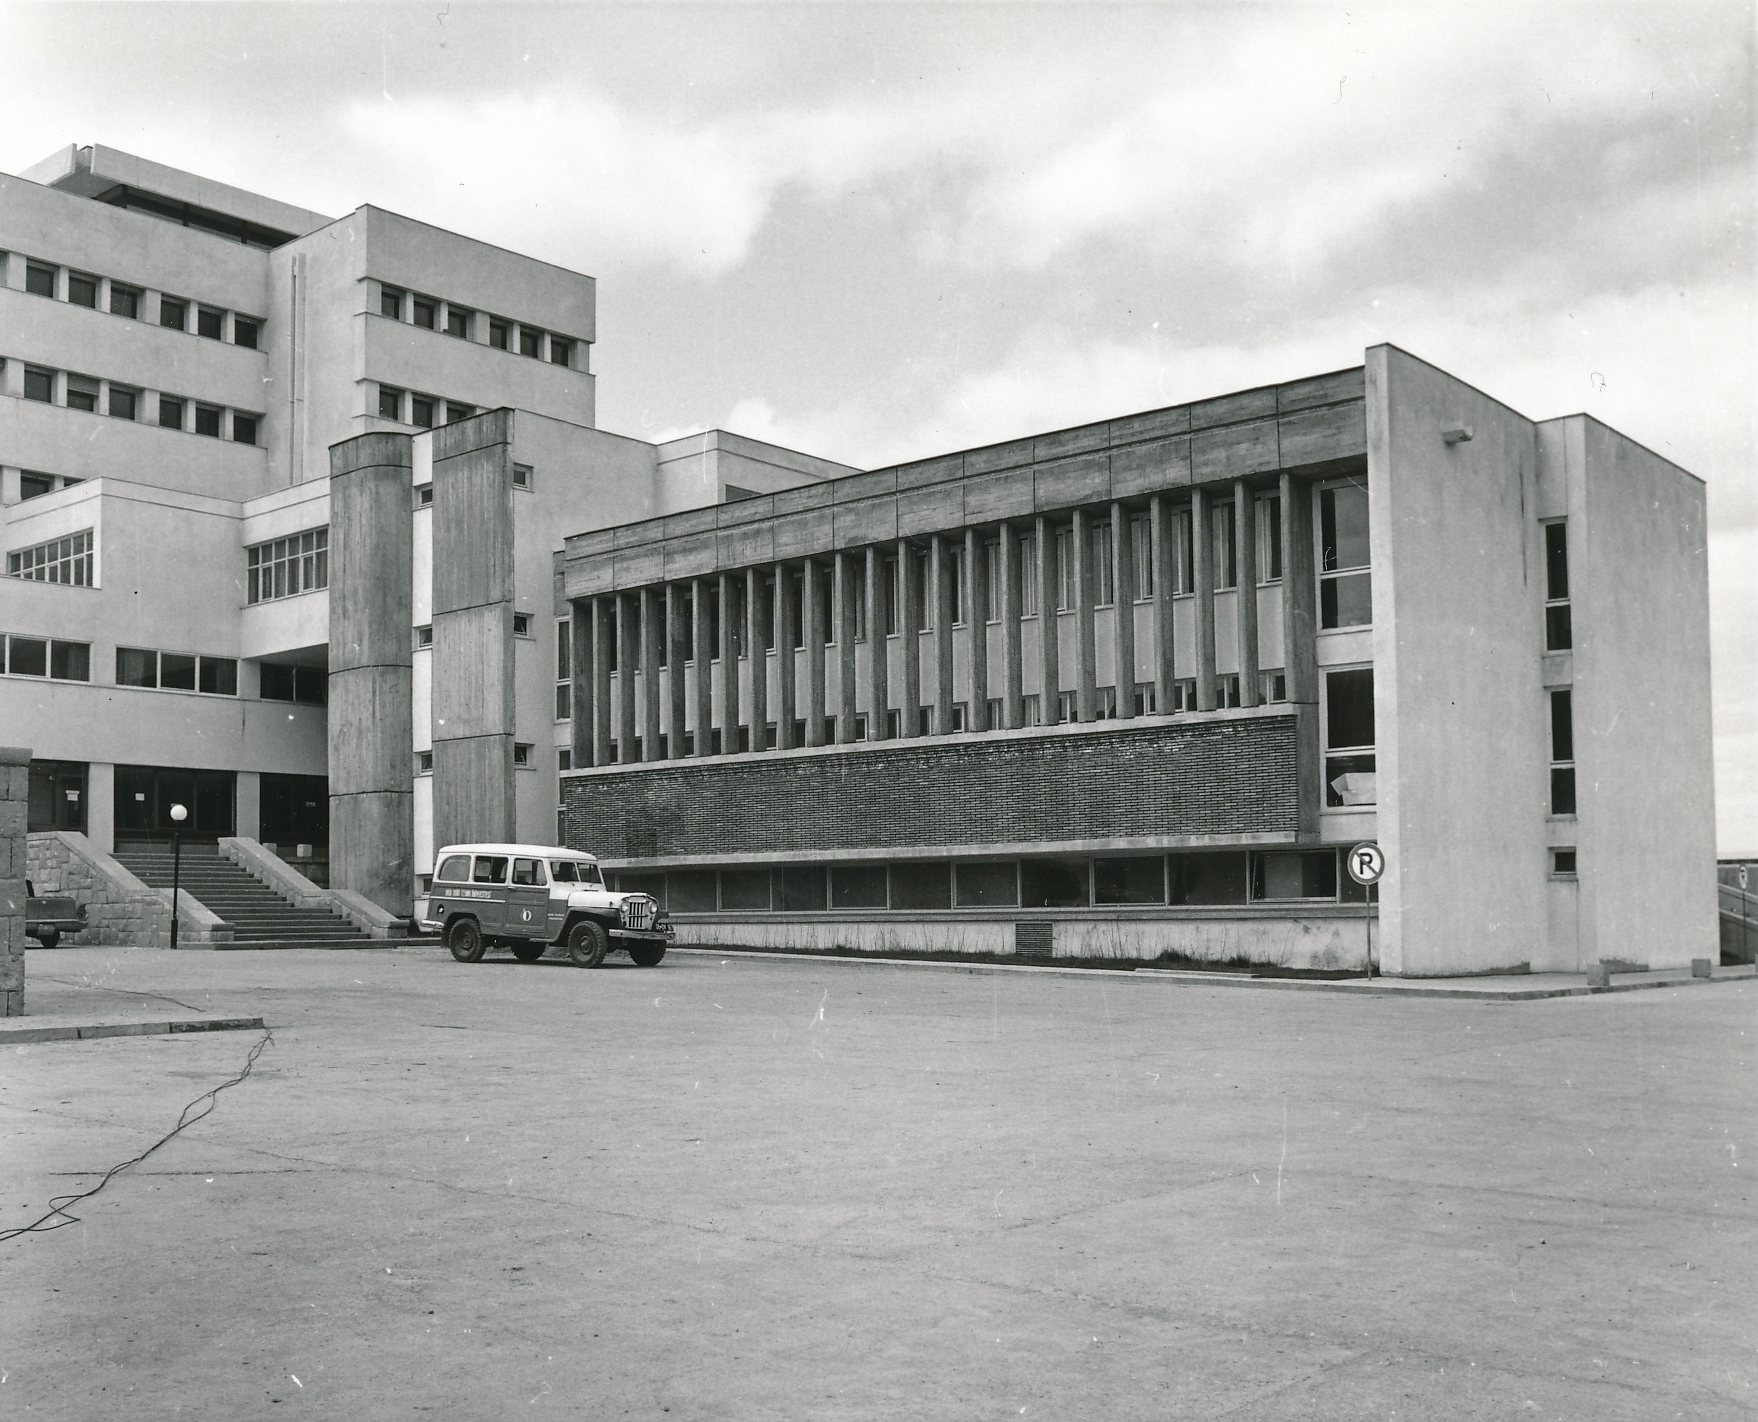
14, 794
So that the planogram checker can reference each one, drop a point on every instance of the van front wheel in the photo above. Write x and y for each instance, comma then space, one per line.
588, 943
464, 938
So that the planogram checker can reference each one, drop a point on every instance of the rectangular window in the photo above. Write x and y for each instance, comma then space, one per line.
521, 476
82, 393
1104, 703
991, 582
1184, 694
857, 886
987, 885
244, 332
522, 625
243, 428
1226, 690
564, 758
456, 412
1268, 508
39, 280
1345, 587
458, 322
39, 384
390, 403
285, 567
27, 656
499, 335
1222, 548
1141, 551
1104, 585
1032, 709
1309, 874
1562, 753
1202, 879
424, 313
123, 402
424, 762
66, 560
210, 323
57, 796
801, 888
1053, 883
531, 342
173, 314
1349, 738
1272, 685
1563, 864
421, 411
1129, 881
280, 682
390, 302
176, 671
1146, 699
1558, 632
207, 420
522, 754
993, 714
1028, 574
745, 889
891, 593
424, 636
560, 352
1065, 598
170, 412
1183, 553
921, 886
218, 676
34, 486
424, 496
82, 290
124, 301
136, 666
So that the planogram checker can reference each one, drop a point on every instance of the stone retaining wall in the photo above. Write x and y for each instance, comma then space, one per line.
120, 911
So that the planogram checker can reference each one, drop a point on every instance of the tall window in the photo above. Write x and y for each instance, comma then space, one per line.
1222, 551
1562, 753
1268, 508
1345, 585
891, 590
1104, 585
960, 583
1064, 569
1183, 553
65, 560
1349, 738
1028, 574
991, 608
1558, 633
285, 567
1141, 547
564, 669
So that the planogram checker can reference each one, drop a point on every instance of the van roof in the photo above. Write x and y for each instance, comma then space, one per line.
526, 851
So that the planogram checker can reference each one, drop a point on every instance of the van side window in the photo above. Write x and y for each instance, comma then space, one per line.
456, 869
490, 869
563, 871
589, 875
528, 872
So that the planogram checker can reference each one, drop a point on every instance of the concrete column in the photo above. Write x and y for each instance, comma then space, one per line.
847, 574
652, 639
757, 611
15, 793
1012, 697
247, 799
941, 591
628, 658
677, 658
1245, 600
1085, 708
1123, 623
729, 668
813, 624
879, 696
1160, 525
1202, 565
1299, 632
1049, 650
580, 687
909, 714
704, 644
100, 812
977, 621
604, 634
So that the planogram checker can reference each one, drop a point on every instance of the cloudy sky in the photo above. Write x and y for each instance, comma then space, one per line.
880, 232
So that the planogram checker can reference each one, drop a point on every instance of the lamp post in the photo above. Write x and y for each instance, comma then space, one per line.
178, 816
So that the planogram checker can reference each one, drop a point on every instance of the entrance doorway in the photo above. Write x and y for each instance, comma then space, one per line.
145, 794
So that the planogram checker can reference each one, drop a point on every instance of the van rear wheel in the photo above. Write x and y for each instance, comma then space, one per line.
464, 938
646, 955
587, 943
528, 952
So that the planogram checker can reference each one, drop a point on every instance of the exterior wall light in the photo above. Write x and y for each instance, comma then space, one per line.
1456, 434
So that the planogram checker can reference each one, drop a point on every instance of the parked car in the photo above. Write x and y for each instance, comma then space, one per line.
531, 897
47, 918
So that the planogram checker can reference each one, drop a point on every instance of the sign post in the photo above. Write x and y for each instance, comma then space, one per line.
1367, 862
1745, 919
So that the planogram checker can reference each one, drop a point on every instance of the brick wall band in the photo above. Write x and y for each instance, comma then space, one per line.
1220, 777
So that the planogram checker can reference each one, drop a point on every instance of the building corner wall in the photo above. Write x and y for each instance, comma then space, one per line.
15, 779
371, 755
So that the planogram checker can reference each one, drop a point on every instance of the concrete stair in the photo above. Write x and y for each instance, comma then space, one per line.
259, 916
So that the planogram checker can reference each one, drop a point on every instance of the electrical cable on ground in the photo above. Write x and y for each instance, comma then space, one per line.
58, 1205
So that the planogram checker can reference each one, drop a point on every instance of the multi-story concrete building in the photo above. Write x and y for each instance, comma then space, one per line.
177, 359
307, 526
1128, 690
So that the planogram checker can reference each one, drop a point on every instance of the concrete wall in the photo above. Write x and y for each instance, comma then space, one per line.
1457, 638
371, 765
14, 803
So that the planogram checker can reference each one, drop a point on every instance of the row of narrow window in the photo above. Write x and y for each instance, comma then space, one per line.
433, 314
147, 668
175, 313
128, 402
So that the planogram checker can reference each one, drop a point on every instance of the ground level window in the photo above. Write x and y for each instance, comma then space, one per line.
1304, 874
1053, 883
921, 886
857, 886
1129, 881
988, 885
745, 889
1200, 879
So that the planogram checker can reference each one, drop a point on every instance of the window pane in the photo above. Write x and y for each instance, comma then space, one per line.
1141, 547
802, 888
1343, 527
170, 413
82, 290
1129, 881
530, 341
39, 281
1305, 875
988, 885
1559, 629
177, 671
124, 301
1562, 790
1207, 878
1222, 549
560, 352
1346, 601
1556, 560
454, 869
70, 661
744, 889
457, 322
277, 682
1269, 538
210, 323
243, 428
921, 886
1349, 708
82, 394
421, 411
1053, 883
424, 313
1350, 780
489, 869
690, 891
27, 656
390, 303
219, 676
858, 886
1562, 726
39, 385
244, 332
174, 314
135, 667
207, 421
497, 335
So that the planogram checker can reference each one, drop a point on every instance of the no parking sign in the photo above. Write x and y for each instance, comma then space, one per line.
1367, 862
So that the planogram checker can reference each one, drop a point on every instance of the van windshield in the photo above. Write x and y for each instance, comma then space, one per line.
572, 871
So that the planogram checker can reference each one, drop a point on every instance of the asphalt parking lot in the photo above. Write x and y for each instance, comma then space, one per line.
731, 1188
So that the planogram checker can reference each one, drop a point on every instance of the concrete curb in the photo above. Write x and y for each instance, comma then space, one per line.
1432, 989
76, 1032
